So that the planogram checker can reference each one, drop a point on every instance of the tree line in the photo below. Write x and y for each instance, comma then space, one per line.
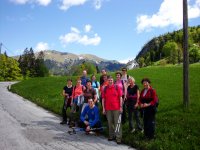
27, 66
168, 48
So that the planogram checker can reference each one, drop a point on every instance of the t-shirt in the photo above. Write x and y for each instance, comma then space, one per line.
120, 85
88, 94
78, 90
68, 90
132, 92
96, 85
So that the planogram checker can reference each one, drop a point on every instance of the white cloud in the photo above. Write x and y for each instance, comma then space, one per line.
66, 4
44, 2
125, 61
40, 2
88, 28
168, 14
73, 29
77, 37
41, 46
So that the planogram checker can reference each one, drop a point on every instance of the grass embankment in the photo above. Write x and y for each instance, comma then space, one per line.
176, 128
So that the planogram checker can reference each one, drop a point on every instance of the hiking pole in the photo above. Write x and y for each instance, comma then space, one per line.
75, 130
118, 124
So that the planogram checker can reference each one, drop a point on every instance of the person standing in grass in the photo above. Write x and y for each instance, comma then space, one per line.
84, 78
67, 94
133, 95
112, 107
76, 96
103, 73
120, 83
147, 102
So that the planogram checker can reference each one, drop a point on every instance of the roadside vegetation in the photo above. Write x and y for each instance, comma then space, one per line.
176, 128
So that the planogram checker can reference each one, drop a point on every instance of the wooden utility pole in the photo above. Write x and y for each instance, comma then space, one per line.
0, 47
185, 56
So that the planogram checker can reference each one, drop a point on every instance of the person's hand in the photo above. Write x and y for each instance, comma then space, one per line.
104, 112
136, 105
87, 128
121, 110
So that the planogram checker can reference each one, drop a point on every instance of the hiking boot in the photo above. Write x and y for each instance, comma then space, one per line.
72, 125
119, 141
63, 122
111, 139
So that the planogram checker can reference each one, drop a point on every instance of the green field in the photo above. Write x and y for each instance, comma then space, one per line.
176, 128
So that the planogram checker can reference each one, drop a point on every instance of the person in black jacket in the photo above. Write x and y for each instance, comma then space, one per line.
67, 94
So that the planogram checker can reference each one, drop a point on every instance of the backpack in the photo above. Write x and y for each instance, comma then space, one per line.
157, 99
96, 84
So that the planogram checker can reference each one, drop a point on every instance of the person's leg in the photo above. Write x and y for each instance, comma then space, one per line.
117, 121
130, 118
64, 116
110, 117
136, 114
151, 123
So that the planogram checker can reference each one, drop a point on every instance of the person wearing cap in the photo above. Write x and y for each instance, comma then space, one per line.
90, 117
67, 94
147, 102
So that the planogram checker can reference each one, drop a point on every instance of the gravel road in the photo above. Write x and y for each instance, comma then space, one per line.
25, 126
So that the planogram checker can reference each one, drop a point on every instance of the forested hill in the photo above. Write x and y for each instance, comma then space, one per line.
169, 47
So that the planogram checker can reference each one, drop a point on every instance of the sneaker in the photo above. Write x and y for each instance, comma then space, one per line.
118, 141
72, 125
63, 122
111, 139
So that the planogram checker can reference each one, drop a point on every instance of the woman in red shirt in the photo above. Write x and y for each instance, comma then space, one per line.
147, 102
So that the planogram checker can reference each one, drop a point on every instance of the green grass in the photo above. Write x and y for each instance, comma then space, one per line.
176, 127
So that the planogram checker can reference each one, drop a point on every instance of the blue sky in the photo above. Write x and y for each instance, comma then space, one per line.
110, 29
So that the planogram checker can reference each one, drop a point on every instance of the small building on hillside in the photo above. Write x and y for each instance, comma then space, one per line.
132, 64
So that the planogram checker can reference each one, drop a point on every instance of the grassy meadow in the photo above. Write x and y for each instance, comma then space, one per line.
176, 128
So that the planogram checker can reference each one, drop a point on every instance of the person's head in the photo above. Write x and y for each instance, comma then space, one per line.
84, 73
131, 80
88, 83
93, 77
110, 80
69, 81
78, 80
146, 82
103, 71
105, 77
124, 70
91, 103
118, 75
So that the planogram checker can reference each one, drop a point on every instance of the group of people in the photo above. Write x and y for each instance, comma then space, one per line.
116, 98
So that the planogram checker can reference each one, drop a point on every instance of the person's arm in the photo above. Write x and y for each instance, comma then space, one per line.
121, 104
138, 97
83, 114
